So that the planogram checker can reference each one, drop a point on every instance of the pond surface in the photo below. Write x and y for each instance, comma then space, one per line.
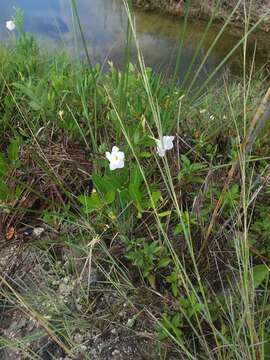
104, 23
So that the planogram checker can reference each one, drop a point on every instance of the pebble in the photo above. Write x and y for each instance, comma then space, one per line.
38, 231
115, 352
63, 289
78, 338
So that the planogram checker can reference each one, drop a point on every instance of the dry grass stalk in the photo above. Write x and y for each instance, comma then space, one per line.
35, 316
257, 124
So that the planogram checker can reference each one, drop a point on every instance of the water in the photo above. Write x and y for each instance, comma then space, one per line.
104, 23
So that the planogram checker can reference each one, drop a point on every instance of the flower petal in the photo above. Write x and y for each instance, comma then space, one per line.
10, 25
108, 155
120, 164
113, 166
115, 149
168, 142
161, 151
121, 155
116, 158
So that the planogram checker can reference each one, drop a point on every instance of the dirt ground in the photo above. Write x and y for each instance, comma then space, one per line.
111, 330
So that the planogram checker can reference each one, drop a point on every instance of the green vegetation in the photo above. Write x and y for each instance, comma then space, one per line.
172, 251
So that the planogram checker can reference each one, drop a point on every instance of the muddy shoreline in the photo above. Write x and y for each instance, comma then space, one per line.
204, 10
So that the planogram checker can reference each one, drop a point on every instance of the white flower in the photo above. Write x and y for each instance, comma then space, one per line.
166, 143
116, 158
10, 25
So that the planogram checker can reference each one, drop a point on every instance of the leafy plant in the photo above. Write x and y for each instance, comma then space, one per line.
190, 172
148, 257
187, 221
171, 325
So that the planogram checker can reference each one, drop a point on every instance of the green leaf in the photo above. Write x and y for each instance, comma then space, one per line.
110, 196
164, 262
137, 136
104, 184
174, 289
35, 106
152, 280
18, 192
13, 150
25, 89
172, 277
136, 176
267, 350
149, 141
164, 213
156, 196
176, 320
178, 229
185, 160
3, 165
135, 195
4, 190
100, 183
90, 203
260, 273
144, 154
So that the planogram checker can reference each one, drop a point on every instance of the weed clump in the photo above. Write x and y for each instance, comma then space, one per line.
175, 240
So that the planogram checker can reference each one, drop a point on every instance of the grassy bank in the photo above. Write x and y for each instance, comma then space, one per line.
239, 11
163, 257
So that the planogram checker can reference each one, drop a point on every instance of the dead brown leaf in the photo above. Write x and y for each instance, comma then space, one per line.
10, 233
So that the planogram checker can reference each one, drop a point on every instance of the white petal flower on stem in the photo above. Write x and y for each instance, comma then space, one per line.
116, 158
166, 143
10, 25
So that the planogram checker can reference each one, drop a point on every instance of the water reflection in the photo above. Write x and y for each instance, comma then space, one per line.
104, 23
